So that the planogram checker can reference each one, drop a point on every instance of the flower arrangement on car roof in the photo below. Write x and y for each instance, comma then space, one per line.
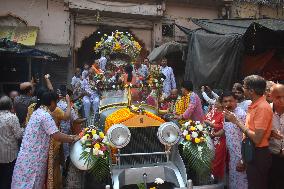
118, 43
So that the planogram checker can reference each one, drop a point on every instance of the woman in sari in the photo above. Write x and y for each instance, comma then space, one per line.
30, 169
55, 152
215, 119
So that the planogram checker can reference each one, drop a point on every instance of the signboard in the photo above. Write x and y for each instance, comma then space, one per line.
23, 35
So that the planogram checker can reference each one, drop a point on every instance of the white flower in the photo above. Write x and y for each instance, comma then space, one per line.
162, 79
101, 153
185, 132
199, 127
156, 80
96, 151
194, 134
87, 149
197, 122
186, 124
96, 136
83, 139
105, 140
159, 181
113, 86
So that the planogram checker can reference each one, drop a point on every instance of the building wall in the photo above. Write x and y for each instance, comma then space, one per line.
49, 15
250, 10
181, 13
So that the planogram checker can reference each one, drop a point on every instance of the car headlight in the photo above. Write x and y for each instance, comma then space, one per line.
118, 135
169, 133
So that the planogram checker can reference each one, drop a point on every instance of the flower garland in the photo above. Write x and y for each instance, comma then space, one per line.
126, 113
118, 42
182, 104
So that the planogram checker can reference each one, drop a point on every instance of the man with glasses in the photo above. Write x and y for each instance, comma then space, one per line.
258, 129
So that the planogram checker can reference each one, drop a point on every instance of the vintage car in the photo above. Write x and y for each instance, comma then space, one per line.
145, 147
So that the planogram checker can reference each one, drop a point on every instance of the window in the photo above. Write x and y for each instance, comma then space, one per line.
168, 30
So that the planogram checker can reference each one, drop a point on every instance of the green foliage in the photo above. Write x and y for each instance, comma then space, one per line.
198, 157
99, 166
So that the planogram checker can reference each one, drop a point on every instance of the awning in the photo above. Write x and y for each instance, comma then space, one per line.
25, 35
10, 47
165, 49
61, 50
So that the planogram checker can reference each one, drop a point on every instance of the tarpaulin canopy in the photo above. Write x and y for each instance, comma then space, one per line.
217, 48
7, 46
164, 49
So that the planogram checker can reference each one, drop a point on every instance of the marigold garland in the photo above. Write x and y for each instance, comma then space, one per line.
182, 104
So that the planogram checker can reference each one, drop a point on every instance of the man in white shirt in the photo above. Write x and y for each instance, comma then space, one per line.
103, 62
276, 144
169, 82
76, 78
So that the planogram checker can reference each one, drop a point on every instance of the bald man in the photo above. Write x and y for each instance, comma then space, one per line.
269, 85
276, 145
22, 102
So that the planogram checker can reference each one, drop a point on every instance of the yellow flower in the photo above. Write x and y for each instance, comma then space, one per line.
117, 46
94, 132
101, 134
97, 145
187, 137
197, 140
87, 135
192, 128
153, 188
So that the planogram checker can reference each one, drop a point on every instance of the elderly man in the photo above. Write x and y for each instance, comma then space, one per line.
169, 82
22, 102
277, 138
141, 70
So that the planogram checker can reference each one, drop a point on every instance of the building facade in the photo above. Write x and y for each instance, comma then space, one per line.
68, 28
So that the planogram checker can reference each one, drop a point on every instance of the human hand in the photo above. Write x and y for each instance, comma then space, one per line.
75, 138
230, 116
276, 135
202, 89
209, 123
67, 97
47, 76
241, 167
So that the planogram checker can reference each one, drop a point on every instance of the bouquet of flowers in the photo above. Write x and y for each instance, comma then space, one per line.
118, 43
95, 151
197, 147
156, 78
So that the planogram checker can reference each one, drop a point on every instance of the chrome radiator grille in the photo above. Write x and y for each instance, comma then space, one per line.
143, 140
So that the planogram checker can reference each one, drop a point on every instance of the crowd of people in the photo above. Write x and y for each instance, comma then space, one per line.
35, 124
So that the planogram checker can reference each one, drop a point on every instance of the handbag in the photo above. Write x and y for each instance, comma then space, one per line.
248, 150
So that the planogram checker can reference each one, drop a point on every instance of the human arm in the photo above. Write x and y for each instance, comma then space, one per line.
15, 126
214, 95
48, 82
207, 99
67, 114
257, 135
191, 107
173, 80
61, 137
219, 133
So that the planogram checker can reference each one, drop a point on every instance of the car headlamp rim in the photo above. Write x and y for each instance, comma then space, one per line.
121, 132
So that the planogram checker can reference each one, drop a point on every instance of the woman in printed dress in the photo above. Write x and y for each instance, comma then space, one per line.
234, 136
215, 119
31, 165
